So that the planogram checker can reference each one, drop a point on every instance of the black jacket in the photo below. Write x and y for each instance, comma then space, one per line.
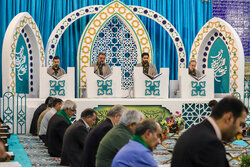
73, 144
55, 132
92, 142
199, 147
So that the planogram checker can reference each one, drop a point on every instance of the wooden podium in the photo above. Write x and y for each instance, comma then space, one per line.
64, 87
100, 87
191, 87
145, 86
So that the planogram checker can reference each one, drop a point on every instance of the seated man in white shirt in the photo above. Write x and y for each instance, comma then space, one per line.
57, 104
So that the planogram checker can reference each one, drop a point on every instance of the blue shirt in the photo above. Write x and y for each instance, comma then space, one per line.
134, 154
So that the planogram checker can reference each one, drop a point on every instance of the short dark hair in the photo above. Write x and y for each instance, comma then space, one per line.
229, 104
56, 57
56, 101
49, 101
192, 61
101, 53
144, 125
212, 103
88, 112
144, 54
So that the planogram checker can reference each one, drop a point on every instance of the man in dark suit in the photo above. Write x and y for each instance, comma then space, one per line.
39, 110
95, 136
75, 135
201, 145
57, 127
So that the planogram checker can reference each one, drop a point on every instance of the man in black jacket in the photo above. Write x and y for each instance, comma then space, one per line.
57, 127
95, 136
74, 137
39, 110
201, 145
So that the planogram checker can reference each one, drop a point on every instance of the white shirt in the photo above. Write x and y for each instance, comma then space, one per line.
215, 126
45, 121
86, 124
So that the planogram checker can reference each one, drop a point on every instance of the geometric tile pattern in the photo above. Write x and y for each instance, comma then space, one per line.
21, 113
115, 39
194, 113
198, 88
152, 88
57, 88
8, 110
104, 87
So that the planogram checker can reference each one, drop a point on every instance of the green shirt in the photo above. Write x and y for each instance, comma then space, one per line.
111, 143
63, 114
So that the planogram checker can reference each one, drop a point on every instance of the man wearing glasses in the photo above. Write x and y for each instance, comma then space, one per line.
74, 138
57, 127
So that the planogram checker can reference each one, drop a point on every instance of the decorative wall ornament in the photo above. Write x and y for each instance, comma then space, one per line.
21, 67
24, 25
150, 111
8, 110
133, 29
198, 88
194, 113
217, 30
115, 39
152, 88
57, 88
105, 87
128, 13
218, 64
21, 113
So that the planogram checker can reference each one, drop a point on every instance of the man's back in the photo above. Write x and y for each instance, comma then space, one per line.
92, 142
111, 144
199, 147
33, 126
73, 144
55, 132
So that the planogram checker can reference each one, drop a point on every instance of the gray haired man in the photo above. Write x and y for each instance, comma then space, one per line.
117, 137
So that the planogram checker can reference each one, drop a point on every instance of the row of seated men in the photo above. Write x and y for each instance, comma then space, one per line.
125, 138
103, 69
77, 145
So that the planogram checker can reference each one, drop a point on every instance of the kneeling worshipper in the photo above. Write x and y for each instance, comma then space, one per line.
57, 127
95, 135
74, 138
138, 152
33, 127
202, 144
117, 137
